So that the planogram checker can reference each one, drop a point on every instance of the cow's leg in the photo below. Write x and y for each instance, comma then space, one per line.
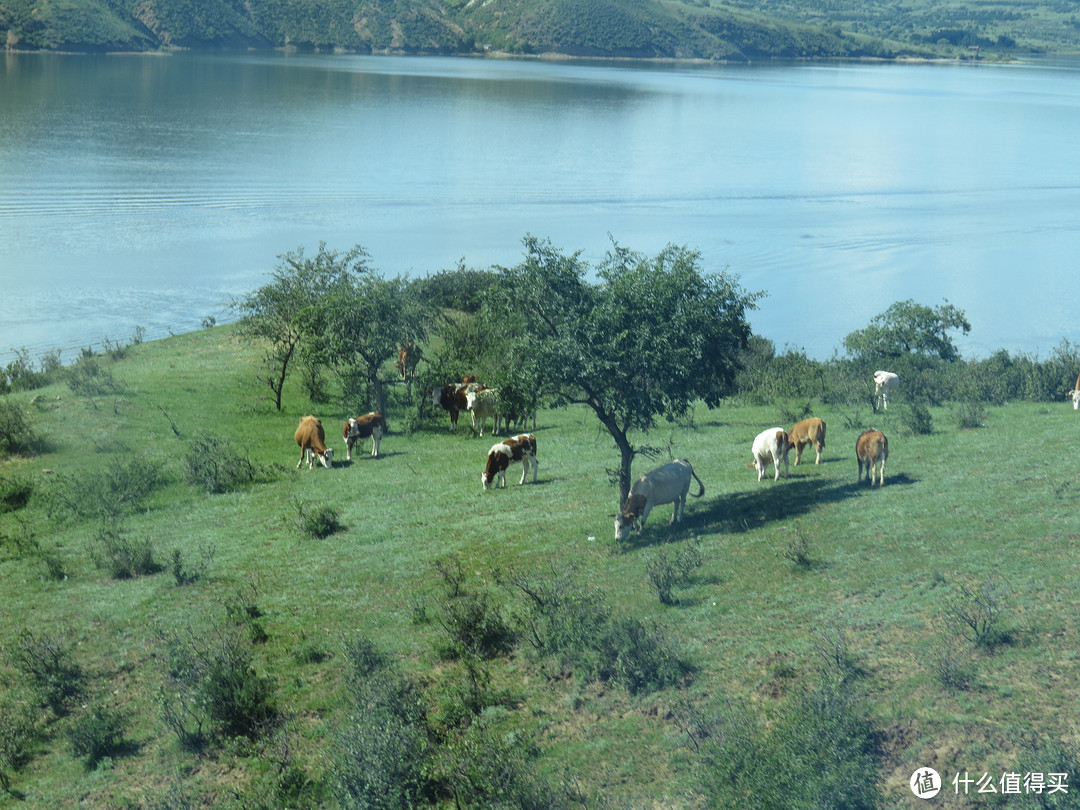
817, 449
881, 475
376, 438
301, 461
348, 448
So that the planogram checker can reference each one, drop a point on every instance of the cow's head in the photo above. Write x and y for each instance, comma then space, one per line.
627, 519
327, 458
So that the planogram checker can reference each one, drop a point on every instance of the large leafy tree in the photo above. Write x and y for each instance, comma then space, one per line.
651, 336
908, 329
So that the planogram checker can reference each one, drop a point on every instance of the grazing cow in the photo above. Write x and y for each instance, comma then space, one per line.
871, 448
452, 399
885, 383
808, 431
517, 448
1074, 395
407, 358
312, 440
482, 404
361, 427
669, 483
771, 446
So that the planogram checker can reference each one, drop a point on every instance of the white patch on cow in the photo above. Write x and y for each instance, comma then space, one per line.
770, 447
483, 404
669, 483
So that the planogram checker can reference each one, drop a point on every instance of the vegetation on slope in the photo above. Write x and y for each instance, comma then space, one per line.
729, 30
191, 621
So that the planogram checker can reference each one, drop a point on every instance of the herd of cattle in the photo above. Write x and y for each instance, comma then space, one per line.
669, 483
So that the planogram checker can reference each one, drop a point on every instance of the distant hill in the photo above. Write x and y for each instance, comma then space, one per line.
738, 30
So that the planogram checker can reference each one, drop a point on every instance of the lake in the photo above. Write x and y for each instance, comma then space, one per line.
145, 191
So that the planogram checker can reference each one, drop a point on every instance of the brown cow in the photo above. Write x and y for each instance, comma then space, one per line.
361, 427
312, 440
872, 447
517, 448
808, 431
453, 398
407, 358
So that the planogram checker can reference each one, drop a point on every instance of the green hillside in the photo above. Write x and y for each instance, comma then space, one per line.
730, 30
191, 621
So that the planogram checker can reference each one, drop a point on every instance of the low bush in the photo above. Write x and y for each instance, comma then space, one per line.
15, 491
977, 611
97, 734
48, 664
382, 754
211, 679
641, 656
17, 435
123, 556
17, 734
317, 522
916, 418
213, 465
107, 494
818, 752
188, 573
473, 623
668, 570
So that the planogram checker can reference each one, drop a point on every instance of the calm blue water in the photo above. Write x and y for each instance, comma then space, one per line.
147, 190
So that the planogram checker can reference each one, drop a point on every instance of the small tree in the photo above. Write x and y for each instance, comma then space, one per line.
288, 314
654, 335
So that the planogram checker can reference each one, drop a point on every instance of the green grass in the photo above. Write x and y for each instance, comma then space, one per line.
957, 507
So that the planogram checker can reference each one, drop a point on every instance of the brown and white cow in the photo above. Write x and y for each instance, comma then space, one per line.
517, 448
871, 448
1074, 395
669, 483
885, 383
808, 431
482, 404
361, 427
312, 440
407, 358
770, 447
453, 399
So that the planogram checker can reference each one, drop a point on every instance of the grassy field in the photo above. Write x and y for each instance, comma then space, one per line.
992, 507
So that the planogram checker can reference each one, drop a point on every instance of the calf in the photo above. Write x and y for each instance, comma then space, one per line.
669, 483
517, 448
872, 447
361, 427
885, 383
482, 404
770, 446
808, 431
312, 440
451, 398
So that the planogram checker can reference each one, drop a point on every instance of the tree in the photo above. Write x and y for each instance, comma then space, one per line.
291, 310
367, 321
652, 336
908, 329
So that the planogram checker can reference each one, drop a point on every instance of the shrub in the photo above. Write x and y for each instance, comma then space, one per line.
212, 678
977, 611
382, 753
15, 491
916, 417
106, 494
122, 556
16, 430
17, 733
97, 734
88, 378
473, 624
213, 465
47, 661
819, 752
185, 574
798, 549
317, 522
640, 656
952, 670
970, 414
668, 570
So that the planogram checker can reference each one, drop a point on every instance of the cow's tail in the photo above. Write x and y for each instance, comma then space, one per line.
700, 482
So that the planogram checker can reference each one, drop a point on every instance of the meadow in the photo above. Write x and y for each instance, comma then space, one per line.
783, 586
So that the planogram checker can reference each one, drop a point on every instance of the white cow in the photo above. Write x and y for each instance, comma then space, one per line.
667, 484
482, 404
771, 447
1074, 395
885, 383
